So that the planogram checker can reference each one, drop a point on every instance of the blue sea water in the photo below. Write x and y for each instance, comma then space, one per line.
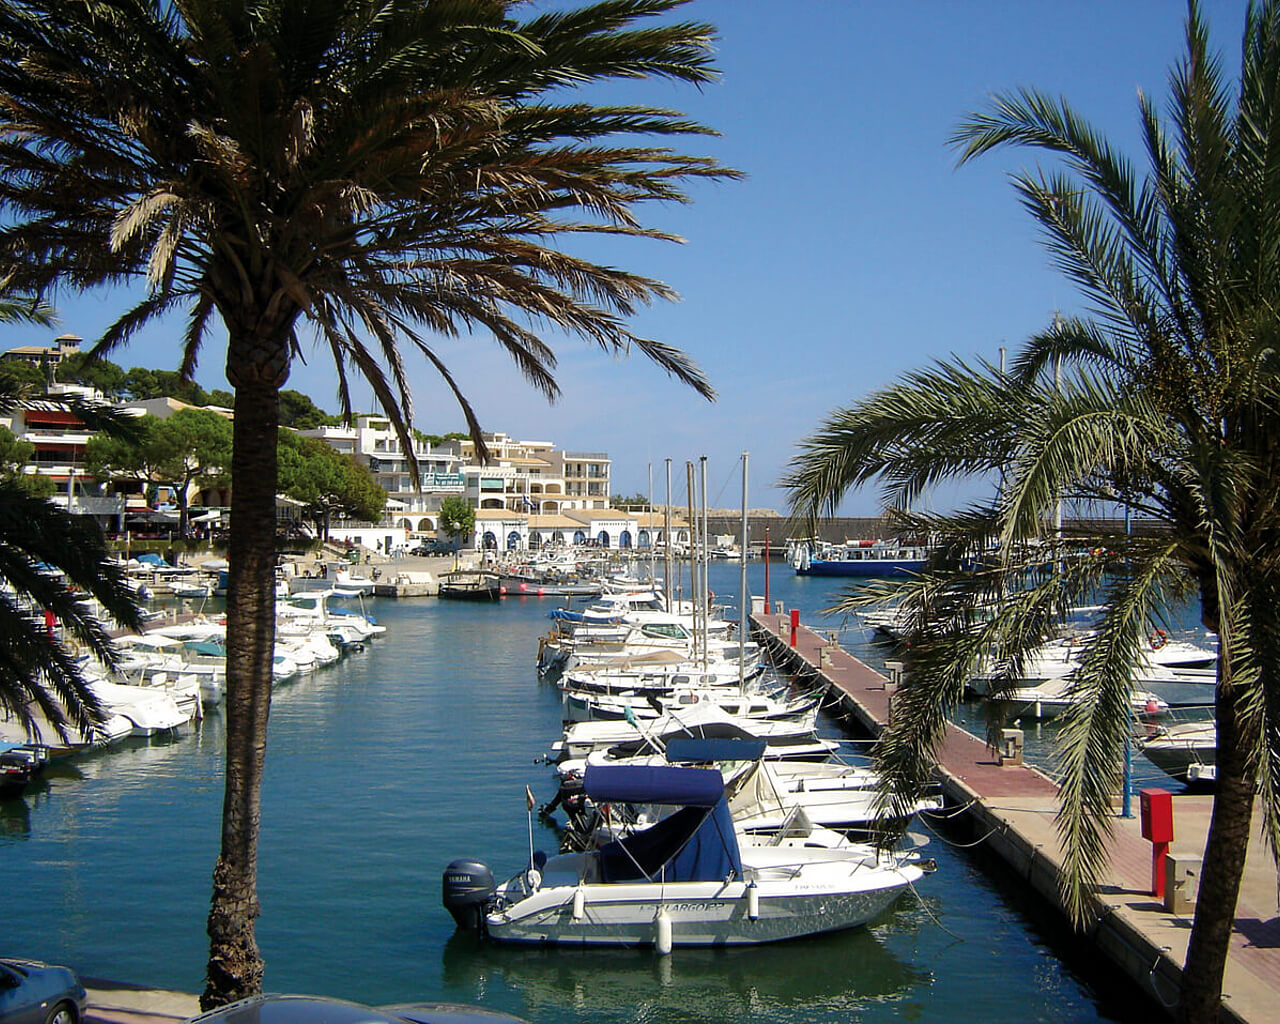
385, 766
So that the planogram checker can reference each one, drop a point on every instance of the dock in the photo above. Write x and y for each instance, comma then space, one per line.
1009, 810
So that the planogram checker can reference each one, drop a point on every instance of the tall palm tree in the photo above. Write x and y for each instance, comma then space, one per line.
369, 170
1167, 402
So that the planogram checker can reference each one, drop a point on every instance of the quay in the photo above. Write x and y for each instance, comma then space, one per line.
1009, 811
111, 1002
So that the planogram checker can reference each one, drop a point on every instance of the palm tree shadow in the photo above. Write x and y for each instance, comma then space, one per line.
1260, 934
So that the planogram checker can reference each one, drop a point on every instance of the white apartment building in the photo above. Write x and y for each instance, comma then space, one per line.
59, 438
374, 443
533, 477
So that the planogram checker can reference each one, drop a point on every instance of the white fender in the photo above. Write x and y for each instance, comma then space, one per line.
753, 902
662, 932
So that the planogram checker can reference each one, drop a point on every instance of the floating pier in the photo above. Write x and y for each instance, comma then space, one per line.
1008, 809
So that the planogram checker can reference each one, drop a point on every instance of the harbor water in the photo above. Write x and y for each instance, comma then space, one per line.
387, 765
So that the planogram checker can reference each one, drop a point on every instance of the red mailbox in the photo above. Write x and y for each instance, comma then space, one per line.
1157, 815
1157, 827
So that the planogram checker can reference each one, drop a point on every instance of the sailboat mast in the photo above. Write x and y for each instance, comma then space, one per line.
705, 591
693, 554
742, 598
666, 546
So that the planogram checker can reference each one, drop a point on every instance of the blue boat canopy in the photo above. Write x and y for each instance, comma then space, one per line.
653, 784
694, 750
695, 844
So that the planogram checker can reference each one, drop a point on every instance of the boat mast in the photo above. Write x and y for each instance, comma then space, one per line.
705, 591
742, 599
693, 554
666, 545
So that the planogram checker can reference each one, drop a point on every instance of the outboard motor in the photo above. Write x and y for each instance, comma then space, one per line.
466, 891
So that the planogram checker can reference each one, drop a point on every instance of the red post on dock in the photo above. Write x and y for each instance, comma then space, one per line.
795, 624
1157, 828
767, 606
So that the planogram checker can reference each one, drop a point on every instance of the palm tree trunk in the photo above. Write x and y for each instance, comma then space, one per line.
235, 966
1224, 857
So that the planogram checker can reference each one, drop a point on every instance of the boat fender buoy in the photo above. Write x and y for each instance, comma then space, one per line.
533, 879
579, 903
662, 932
753, 902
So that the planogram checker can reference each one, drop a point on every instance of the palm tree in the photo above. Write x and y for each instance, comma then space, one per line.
370, 170
1167, 403
41, 682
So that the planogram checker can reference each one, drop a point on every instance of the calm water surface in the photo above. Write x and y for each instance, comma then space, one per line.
389, 764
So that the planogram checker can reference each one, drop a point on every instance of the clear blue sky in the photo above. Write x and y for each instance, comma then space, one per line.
854, 251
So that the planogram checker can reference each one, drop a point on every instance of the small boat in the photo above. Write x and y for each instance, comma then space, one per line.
470, 585
1183, 750
684, 881
20, 765
187, 588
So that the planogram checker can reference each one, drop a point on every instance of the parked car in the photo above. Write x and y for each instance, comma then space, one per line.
289, 1009
433, 547
36, 993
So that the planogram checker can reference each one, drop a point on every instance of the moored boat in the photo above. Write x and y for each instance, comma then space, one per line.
684, 881
470, 585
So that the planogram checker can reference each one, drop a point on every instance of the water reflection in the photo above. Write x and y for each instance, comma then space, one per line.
831, 977
15, 818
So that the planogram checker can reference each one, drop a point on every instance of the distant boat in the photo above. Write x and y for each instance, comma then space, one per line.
470, 585
857, 558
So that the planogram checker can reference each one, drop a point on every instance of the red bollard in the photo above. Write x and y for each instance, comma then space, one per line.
795, 624
1156, 806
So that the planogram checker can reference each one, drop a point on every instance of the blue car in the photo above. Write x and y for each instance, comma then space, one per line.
36, 993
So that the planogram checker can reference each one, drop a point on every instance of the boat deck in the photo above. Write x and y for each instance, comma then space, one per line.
1010, 810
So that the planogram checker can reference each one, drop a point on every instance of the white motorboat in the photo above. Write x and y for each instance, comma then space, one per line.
1052, 697
740, 703
794, 739
150, 709
1182, 749
685, 881
764, 796
1176, 671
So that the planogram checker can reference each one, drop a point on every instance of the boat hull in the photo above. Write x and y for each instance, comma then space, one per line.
869, 567
700, 914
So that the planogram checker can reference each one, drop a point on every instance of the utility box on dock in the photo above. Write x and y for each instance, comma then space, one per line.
1181, 880
1157, 815
1011, 742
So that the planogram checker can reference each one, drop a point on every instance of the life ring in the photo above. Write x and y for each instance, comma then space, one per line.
1158, 638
